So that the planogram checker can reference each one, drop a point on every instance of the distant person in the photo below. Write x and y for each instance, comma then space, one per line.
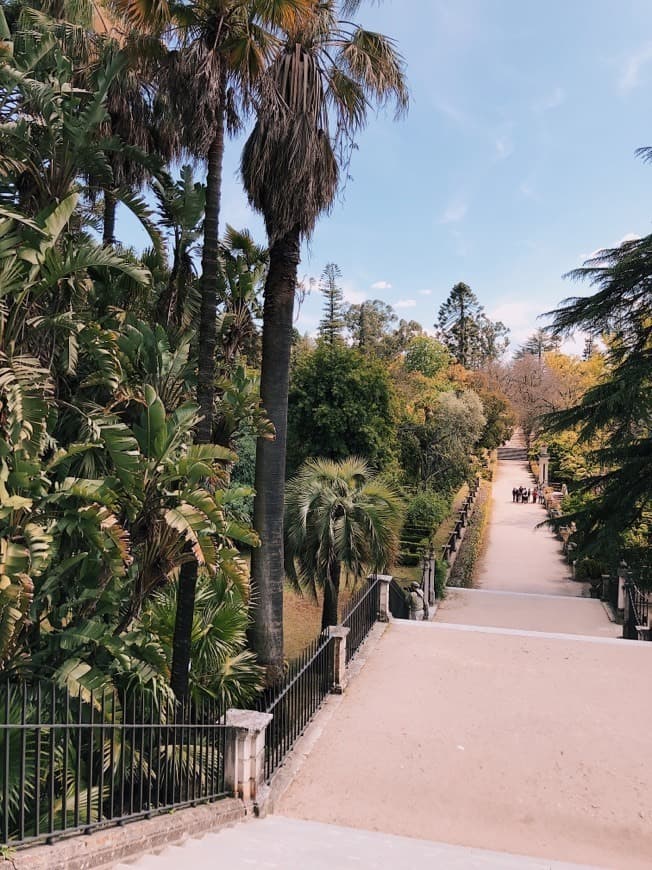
513, 493
529, 493
535, 495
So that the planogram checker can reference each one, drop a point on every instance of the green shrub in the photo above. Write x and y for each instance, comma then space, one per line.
441, 569
425, 512
589, 569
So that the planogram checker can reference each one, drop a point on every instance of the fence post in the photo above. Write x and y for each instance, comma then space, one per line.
622, 579
384, 611
244, 752
338, 633
432, 571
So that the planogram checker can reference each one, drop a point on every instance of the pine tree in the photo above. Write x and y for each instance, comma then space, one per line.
467, 332
331, 325
537, 344
615, 414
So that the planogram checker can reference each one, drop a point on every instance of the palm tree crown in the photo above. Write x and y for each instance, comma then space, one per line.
338, 514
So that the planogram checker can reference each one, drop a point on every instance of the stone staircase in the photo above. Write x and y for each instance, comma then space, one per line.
516, 454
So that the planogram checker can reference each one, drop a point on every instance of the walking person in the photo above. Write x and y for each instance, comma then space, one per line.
513, 493
528, 494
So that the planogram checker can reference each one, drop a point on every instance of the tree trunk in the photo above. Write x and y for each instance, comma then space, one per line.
108, 230
183, 629
209, 281
205, 390
267, 567
330, 613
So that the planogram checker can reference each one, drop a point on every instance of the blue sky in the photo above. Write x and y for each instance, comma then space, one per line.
516, 159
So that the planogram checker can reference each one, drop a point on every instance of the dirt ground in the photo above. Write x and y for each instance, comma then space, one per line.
518, 743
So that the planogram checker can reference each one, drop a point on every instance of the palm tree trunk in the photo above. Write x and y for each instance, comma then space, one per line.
209, 281
330, 612
205, 388
108, 229
267, 572
183, 629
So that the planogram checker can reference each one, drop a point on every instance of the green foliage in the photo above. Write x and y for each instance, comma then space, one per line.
338, 514
427, 356
589, 569
426, 510
470, 550
331, 325
438, 452
104, 496
467, 332
222, 667
340, 403
612, 417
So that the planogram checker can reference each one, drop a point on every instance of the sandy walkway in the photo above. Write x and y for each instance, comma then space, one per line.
528, 611
523, 580
500, 741
518, 556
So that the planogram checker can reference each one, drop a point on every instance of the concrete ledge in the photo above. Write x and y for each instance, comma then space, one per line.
104, 848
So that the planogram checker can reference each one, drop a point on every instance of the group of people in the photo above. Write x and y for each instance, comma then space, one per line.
525, 495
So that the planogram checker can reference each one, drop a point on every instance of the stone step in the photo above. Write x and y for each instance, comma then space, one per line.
278, 843
516, 453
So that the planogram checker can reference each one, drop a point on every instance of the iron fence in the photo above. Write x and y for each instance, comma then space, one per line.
72, 763
295, 700
637, 609
610, 591
398, 603
360, 615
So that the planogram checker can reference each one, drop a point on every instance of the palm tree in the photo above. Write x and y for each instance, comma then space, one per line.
338, 514
218, 49
327, 74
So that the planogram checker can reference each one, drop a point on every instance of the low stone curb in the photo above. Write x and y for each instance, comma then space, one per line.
104, 848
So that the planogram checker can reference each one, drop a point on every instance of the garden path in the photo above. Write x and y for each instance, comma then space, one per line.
522, 579
491, 734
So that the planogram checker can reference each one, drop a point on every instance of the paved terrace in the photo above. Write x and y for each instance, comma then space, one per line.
510, 733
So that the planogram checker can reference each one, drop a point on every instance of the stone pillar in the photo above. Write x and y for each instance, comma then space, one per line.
544, 462
384, 612
622, 579
339, 634
244, 752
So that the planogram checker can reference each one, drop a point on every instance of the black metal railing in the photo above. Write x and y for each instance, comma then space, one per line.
295, 699
73, 763
637, 609
610, 591
398, 602
360, 615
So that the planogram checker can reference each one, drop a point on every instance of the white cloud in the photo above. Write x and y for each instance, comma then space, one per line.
454, 213
526, 190
381, 285
552, 100
425, 292
405, 303
520, 317
630, 76
504, 147
352, 295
